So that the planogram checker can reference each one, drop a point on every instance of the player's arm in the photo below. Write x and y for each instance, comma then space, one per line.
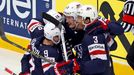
25, 65
35, 28
113, 28
111, 43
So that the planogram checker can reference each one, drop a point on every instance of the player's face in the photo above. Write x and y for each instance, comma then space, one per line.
56, 38
71, 22
79, 22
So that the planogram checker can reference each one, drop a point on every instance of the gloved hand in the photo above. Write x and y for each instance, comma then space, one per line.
65, 68
59, 67
100, 25
76, 66
104, 22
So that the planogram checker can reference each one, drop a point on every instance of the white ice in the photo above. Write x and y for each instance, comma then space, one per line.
11, 60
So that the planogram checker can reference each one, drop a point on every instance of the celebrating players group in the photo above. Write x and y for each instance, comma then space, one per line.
88, 39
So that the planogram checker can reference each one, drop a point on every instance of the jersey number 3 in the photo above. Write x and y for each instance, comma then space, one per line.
95, 39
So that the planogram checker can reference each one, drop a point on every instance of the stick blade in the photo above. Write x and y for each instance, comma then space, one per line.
50, 18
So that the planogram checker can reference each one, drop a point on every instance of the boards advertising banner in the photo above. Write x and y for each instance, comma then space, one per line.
17, 13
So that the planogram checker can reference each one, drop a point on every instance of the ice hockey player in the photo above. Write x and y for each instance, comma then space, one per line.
76, 35
128, 25
95, 59
128, 16
70, 13
45, 46
35, 29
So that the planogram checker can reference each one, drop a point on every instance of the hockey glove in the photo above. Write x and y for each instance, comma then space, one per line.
104, 22
76, 66
60, 69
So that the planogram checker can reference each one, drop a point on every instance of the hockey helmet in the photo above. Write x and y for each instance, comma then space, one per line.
50, 31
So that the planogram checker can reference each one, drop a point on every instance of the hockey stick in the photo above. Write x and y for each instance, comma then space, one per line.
9, 71
60, 26
63, 43
50, 18
3, 68
4, 38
